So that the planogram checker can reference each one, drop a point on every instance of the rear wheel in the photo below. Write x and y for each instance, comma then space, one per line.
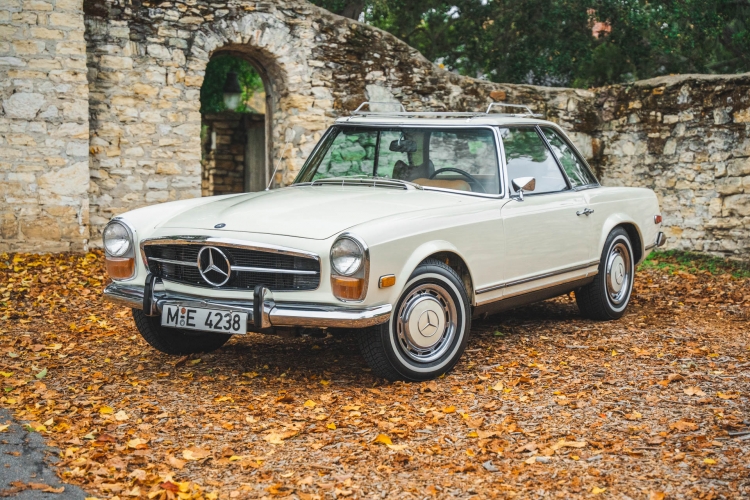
608, 296
428, 330
174, 340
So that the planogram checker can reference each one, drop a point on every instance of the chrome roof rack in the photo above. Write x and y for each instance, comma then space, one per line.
526, 112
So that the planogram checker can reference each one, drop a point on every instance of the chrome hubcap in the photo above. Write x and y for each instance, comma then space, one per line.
426, 323
618, 273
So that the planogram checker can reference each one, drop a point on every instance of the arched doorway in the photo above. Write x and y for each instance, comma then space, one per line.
235, 138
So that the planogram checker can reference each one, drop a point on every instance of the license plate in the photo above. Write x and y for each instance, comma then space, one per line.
209, 320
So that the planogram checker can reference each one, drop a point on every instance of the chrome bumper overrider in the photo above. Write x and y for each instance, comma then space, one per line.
271, 314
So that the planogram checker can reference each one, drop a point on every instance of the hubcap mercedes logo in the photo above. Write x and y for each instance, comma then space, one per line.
428, 323
214, 266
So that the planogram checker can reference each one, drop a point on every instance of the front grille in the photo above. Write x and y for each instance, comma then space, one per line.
178, 263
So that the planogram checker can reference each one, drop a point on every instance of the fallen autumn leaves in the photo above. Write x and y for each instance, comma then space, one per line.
543, 404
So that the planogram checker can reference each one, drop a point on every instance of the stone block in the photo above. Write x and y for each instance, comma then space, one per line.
738, 166
37, 5
737, 204
157, 196
66, 20
729, 185
158, 51
44, 228
168, 168
115, 62
28, 47
70, 181
8, 226
23, 105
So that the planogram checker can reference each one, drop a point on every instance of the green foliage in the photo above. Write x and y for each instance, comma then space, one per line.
212, 98
550, 42
674, 261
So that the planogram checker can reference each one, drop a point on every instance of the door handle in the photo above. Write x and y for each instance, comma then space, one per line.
585, 211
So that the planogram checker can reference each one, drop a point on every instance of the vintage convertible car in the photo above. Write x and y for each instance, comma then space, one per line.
402, 225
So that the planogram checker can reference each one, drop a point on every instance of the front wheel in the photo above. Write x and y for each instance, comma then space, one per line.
608, 296
174, 340
428, 330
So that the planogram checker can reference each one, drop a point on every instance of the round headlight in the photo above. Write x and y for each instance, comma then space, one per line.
116, 239
346, 256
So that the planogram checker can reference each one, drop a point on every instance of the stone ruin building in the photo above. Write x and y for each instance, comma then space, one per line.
100, 114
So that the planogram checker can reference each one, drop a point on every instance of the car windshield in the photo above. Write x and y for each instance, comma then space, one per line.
461, 159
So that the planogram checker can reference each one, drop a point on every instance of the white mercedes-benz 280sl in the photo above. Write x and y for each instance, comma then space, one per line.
404, 225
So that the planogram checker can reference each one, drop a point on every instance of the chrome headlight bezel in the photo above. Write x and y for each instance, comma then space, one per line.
346, 247
114, 231
358, 274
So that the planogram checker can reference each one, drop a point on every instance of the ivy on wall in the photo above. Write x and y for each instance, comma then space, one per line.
212, 100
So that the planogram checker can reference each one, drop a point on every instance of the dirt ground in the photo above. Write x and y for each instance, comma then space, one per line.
543, 405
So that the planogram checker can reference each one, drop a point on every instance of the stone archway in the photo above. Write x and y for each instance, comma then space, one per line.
235, 145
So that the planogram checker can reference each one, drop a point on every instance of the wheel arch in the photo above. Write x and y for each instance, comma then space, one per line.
630, 226
447, 253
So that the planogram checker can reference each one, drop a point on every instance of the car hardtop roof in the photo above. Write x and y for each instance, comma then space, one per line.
416, 121
399, 117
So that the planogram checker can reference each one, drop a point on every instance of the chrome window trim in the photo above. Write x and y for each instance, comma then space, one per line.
365, 265
544, 140
554, 157
406, 124
508, 284
575, 150
133, 238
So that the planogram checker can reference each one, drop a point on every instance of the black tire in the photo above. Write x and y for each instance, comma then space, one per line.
597, 300
388, 348
174, 340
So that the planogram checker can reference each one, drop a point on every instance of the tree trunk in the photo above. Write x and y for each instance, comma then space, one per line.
353, 9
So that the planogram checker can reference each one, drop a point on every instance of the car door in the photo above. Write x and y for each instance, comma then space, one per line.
548, 234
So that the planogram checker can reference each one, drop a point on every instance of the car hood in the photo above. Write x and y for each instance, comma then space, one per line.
315, 212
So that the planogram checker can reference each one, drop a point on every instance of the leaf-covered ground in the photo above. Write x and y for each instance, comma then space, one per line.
543, 405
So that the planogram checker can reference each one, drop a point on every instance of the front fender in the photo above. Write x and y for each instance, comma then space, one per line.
420, 253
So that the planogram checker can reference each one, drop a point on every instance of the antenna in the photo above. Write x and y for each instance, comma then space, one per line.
278, 164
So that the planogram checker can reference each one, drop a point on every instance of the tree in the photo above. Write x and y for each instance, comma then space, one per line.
552, 42
212, 98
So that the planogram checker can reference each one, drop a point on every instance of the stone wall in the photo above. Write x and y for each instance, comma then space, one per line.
224, 140
685, 137
688, 138
44, 177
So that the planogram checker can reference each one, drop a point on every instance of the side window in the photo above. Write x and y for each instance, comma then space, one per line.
574, 167
528, 156
351, 153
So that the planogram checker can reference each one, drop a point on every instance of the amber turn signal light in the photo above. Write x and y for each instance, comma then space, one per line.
657, 219
347, 288
120, 268
387, 280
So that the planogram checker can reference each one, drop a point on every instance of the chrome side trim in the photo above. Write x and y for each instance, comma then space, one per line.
124, 295
279, 314
508, 284
660, 241
328, 316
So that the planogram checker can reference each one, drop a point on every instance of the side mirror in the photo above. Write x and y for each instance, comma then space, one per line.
521, 184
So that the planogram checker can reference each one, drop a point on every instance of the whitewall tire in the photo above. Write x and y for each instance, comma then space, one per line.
428, 329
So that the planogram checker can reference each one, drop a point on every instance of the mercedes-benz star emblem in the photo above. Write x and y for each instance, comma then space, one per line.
214, 266
428, 323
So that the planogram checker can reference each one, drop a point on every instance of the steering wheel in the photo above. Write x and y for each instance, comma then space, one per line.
474, 181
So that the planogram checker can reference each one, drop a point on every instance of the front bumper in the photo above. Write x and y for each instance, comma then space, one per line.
263, 312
